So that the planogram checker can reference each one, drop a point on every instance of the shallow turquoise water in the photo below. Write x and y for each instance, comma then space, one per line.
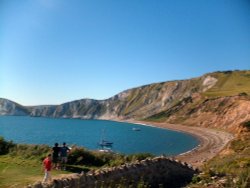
87, 133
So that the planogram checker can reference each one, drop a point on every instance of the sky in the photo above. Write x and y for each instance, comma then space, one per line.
55, 51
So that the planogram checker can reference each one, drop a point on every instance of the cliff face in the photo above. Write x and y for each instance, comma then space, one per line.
210, 100
8, 107
227, 113
148, 100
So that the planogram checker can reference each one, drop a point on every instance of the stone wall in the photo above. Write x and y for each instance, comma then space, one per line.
157, 171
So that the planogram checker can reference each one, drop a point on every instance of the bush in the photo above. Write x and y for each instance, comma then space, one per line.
243, 94
5, 146
80, 156
196, 179
246, 125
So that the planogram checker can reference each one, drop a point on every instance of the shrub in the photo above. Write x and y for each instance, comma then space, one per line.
5, 146
243, 94
246, 125
196, 179
81, 156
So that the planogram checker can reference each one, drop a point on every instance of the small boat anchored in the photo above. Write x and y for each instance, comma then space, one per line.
105, 144
136, 129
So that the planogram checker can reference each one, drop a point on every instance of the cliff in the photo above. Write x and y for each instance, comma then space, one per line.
227, 113
8, 107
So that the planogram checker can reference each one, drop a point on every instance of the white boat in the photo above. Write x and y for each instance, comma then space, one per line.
105, 144
136, 129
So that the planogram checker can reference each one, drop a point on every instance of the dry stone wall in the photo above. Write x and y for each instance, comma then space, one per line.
157, 171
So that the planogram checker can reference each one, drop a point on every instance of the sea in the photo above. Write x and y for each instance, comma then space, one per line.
127, 138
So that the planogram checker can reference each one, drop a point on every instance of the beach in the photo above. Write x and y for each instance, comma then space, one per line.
211, 141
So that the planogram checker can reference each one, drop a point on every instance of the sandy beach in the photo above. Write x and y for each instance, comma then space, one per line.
211, 142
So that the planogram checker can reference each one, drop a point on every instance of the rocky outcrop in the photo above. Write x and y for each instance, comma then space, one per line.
43, 111
8, 107
154, 172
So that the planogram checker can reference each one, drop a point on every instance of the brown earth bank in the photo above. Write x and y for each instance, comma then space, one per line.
224, 113
212, 141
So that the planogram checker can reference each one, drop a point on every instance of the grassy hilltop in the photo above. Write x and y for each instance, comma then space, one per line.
230, 83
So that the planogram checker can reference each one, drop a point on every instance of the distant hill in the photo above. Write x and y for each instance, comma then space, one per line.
8, 107
203, 101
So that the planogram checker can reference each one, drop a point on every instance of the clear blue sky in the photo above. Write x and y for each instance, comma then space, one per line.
55, 51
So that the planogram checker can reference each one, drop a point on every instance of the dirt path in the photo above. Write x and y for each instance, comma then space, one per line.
211, 142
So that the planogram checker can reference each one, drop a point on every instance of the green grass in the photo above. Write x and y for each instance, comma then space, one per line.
19, 172
230, 83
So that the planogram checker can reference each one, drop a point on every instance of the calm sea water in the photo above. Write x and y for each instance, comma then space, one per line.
87, 133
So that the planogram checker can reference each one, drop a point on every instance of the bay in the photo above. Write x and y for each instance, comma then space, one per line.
87, 133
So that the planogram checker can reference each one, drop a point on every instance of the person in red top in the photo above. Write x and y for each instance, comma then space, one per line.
47, 165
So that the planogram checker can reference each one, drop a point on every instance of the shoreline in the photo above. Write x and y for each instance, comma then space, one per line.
211, 141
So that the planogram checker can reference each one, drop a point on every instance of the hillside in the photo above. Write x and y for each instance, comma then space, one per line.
226, 105
226, 113
133, 103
